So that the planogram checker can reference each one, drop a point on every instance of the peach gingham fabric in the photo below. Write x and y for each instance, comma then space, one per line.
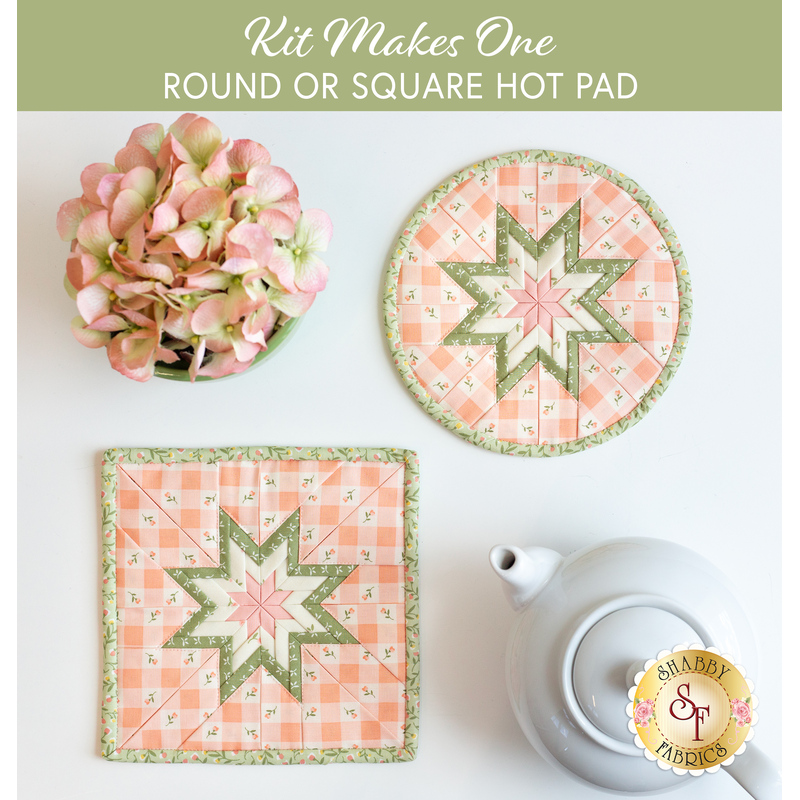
462, 227
169, 697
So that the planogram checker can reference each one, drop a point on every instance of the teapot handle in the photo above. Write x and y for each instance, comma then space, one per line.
757, 774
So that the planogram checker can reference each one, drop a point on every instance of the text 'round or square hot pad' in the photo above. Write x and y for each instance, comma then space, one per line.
538, 303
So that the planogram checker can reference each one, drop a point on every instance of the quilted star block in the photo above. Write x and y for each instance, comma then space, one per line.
260, 605
556, 276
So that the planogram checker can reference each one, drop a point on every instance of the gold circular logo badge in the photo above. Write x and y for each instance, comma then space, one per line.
692, 709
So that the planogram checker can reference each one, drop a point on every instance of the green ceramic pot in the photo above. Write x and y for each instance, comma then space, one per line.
278, 339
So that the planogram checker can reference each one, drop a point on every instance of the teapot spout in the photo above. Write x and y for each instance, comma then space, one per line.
525, 572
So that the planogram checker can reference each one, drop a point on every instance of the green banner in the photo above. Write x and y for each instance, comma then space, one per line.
351, 55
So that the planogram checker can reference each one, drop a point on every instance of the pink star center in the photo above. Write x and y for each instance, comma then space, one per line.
537, 304
260, 605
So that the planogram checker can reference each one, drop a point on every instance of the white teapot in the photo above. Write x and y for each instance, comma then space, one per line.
586, 625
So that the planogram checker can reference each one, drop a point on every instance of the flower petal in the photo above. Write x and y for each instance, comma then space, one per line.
314, 230
140, 320
221, 364
167, 245
148, 136
251, 240
244, 155
201, 138
94, 235
139, 348
82, 269
216, 237
204, 205
188, 172
239, 266
109, 323
243, 199
293, 305
88, 338
93, 302
135, 239
132, 156
281, 270
239, 303
165, 220
216, 280
69, 217
218, 173
210, 316
132, 291
178, 128
108, 188
289, 206
260, 324
277, 223
119, 359
90, 179
148, 269
180, 192
142, 180
172, 152
76, 275
166, 355
191, 239
197, 359
129, 208
245, 350
310, 273
69, 288
271, 183
173, 296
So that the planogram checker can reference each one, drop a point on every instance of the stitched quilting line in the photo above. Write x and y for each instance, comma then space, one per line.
261, 477
321, 666
171, 695
166, 512
352, 513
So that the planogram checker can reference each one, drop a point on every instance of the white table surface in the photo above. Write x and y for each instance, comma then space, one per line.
703, 469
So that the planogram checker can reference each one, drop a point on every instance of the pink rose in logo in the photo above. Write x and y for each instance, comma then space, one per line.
741, 712
643, 712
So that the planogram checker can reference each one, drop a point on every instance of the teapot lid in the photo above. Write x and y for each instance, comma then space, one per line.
610, 654
606, 650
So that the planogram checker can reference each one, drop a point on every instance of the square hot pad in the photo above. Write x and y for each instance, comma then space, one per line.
260, 605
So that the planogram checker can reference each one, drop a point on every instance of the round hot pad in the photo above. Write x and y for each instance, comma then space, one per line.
538, 303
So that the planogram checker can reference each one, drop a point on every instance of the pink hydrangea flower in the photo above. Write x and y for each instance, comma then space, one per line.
295, 265
270, 198
189, 248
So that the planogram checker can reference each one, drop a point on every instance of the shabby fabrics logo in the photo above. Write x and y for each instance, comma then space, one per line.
692, 710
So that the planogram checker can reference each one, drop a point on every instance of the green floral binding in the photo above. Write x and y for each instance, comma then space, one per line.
108, 727
401, 358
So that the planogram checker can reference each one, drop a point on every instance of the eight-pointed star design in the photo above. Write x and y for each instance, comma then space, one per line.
537, 301
260, 605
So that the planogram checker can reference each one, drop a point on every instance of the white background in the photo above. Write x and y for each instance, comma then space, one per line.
703, 469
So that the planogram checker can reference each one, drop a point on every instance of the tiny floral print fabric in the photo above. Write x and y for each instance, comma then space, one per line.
260, 605
538, 303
